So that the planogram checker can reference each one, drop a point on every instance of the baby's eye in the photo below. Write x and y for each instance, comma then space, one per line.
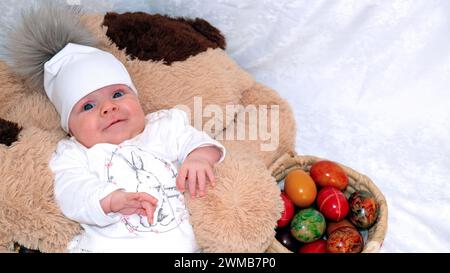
118, 94
88, 106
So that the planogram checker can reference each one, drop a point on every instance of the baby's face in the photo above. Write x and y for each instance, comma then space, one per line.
111, 114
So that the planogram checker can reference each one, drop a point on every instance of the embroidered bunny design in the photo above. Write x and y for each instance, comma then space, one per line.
148, 182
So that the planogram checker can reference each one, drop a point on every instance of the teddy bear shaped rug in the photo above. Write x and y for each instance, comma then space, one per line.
174, 62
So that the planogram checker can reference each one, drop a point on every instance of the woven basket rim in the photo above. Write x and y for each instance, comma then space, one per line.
357, 181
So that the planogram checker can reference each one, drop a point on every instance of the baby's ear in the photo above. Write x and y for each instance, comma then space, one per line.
9, 132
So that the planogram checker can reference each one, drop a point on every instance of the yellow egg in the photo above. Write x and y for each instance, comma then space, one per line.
300, 188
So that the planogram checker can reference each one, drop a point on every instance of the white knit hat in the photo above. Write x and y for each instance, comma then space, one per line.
78, 70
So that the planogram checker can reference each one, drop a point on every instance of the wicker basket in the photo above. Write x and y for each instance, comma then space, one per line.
357, 181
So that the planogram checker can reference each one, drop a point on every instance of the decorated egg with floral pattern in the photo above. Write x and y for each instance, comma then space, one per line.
332, 226
345, 240
363, 209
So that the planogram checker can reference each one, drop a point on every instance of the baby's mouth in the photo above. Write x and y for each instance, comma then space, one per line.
113, 123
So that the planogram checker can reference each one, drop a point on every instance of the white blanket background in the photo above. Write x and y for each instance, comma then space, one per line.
369, 82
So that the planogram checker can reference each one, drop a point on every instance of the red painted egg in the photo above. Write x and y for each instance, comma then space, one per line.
327, 173
300, 188
318, 246
345, 240
288, 212
332, 204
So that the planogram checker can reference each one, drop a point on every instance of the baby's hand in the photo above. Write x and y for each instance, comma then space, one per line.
196, 168
196, 171
130, 203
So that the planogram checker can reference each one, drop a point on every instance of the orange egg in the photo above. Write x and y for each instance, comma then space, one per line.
300, 188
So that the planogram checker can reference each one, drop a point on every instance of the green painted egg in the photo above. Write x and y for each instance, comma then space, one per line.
308, 225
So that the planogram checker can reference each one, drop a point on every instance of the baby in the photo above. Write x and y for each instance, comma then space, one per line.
119, 173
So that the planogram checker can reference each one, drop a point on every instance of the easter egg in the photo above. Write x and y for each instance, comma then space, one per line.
284, 236
363, 209
300, 188
327, 173
318, 246
288, 211
308, 225
332, 226
345, 240
332, 204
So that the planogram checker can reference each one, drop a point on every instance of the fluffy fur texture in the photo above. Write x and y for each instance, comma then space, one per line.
43, 32
158, 38
238, 215
29, 214
16, 100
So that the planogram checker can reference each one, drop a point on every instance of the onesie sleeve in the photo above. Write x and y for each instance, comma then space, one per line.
78, 191
188, 138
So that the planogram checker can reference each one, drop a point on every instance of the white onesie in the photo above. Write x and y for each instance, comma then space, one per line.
146, 163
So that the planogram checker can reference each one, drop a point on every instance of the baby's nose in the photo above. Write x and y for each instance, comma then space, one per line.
109, 107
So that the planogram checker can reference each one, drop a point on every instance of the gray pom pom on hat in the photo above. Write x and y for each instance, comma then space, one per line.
44, 29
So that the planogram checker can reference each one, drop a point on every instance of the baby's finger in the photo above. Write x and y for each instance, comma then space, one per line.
211, 177
192, 179
132, 200
181, 179
132, 196
201, 183
149, 198
141, 212
133, 204
149, 209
